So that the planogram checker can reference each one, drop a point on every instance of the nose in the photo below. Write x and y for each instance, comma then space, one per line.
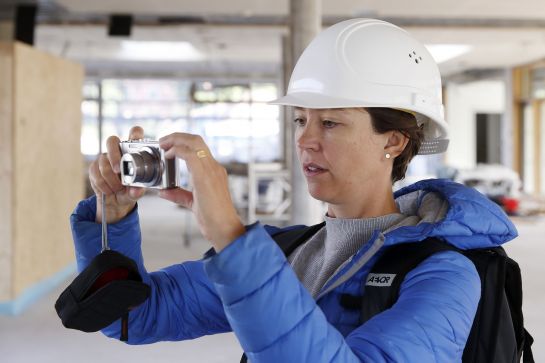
308, 137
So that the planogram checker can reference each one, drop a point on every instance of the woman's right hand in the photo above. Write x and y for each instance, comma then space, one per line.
104, 176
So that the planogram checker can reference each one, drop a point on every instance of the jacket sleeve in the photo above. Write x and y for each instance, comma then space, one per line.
183, 302
277, 320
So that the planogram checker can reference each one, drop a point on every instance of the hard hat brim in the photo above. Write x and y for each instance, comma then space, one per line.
430, 145
317, 101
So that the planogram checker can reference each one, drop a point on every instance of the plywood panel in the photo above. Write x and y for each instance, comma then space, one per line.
6, 117
47, 161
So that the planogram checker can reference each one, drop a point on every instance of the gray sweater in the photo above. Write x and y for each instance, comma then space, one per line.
317, 260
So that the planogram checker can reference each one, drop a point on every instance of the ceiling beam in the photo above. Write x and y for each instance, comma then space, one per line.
59, 16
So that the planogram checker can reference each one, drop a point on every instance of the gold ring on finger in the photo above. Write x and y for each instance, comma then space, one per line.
201, 154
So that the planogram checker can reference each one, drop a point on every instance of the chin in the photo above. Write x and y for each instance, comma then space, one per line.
319, 192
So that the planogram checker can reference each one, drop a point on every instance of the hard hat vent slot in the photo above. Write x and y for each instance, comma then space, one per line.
416, 57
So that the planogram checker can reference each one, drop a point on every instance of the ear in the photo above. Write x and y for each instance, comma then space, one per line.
396, 143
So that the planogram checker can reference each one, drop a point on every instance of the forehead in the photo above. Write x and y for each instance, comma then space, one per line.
353, 111
303, 109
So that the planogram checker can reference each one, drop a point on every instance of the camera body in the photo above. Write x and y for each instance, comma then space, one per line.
143, 164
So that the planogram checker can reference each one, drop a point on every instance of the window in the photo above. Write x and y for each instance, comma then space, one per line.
234, 119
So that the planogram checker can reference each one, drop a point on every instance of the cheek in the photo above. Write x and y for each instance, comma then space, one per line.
355, 160
296, 135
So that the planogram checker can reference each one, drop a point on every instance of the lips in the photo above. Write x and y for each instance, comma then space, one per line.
312, 169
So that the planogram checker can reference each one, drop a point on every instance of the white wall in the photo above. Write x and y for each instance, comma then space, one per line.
463, 102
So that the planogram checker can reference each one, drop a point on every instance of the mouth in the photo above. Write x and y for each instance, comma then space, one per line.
311, 169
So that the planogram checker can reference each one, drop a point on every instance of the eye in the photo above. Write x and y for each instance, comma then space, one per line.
299, 121
329, 124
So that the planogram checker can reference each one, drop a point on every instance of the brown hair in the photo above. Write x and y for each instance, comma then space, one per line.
388, 119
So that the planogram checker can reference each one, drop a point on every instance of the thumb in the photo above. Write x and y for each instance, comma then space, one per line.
136, 193
178, 195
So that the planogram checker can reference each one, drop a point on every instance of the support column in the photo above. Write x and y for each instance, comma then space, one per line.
517, 121
286, 112
100, 117
507, 153
537, 146
305, 24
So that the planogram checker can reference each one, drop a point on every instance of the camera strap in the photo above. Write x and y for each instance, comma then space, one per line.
105, 291
105, 245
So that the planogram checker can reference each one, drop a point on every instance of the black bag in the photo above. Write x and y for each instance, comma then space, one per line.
102, 293
497, 334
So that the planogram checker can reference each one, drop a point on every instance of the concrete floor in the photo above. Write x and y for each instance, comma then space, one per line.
38, 336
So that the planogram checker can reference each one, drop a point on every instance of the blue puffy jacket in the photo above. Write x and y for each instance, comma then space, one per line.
250, 288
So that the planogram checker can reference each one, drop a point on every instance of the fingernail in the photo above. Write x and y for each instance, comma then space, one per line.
116, 168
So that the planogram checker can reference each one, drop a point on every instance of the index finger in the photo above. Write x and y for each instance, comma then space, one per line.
167, 141
181, 138
114, 152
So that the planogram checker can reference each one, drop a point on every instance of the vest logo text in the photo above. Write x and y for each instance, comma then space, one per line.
380, 279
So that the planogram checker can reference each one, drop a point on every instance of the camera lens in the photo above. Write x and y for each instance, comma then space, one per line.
128, 168
140, 167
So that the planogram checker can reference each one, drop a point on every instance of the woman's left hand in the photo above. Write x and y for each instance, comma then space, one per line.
210, 200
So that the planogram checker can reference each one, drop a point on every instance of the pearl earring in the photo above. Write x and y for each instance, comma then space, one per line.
388, 156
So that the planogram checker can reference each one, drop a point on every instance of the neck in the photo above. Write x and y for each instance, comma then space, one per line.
368, 206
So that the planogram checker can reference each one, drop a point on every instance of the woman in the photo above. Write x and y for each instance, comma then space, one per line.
367, 98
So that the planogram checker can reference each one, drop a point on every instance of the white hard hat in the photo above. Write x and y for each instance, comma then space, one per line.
371, 63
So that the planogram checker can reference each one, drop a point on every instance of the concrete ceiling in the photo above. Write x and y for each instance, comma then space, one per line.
239, 37
530, 9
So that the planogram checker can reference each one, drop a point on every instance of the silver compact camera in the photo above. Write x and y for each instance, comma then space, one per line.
143, 164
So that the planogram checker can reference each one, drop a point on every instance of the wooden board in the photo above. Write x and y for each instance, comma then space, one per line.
6, 171
48, 179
